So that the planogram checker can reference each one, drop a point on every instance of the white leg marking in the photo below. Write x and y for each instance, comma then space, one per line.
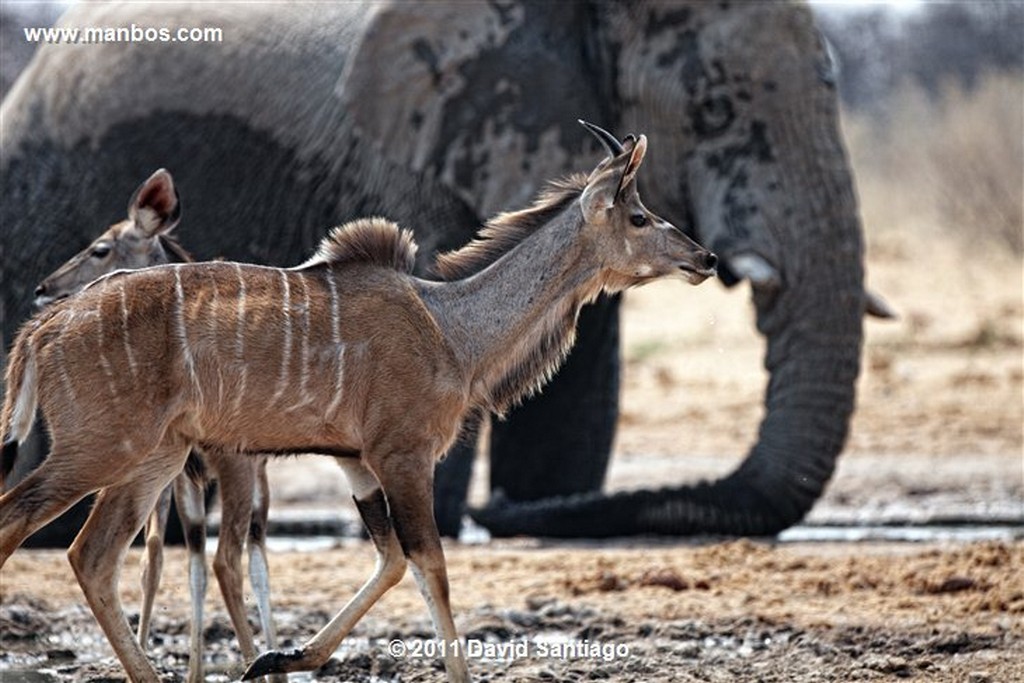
186, 352
104, 361
259, 572
286, 347
124, 331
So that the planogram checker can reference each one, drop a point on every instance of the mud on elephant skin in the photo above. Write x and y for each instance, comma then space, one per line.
437, 114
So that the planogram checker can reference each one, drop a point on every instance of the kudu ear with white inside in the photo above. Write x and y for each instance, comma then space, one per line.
596, 199
155, 206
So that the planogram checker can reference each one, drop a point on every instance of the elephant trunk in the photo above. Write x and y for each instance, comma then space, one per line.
809, 401
813, 325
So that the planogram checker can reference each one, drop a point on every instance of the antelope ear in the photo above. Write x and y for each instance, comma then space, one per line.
596, 199
636, 157
155, 207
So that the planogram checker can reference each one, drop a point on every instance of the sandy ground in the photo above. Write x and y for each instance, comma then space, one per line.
937, 434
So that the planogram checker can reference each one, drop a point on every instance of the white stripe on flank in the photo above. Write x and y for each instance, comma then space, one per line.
109, 372
63, 365
336, 401
213, 318
104, 361
304, 398
240, 327
240, 343
186, 352
336, 339
286, 347
124, 331
335, 312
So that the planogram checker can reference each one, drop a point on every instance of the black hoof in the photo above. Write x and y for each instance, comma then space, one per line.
272, 663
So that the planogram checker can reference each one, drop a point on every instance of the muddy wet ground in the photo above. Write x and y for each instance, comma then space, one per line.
716, 611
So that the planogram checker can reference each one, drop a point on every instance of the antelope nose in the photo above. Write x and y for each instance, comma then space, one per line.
710, 261
41, 290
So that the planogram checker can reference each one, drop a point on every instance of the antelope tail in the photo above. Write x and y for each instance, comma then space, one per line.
20, 404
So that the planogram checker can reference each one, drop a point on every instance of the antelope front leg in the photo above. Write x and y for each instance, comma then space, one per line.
153, 560
411, 500
373, 508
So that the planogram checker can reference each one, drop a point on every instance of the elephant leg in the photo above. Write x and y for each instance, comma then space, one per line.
560, 441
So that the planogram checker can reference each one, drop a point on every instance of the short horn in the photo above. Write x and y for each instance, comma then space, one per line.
609, 141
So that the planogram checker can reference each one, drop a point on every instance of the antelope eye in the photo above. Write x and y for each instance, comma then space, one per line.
100, 250
638, 219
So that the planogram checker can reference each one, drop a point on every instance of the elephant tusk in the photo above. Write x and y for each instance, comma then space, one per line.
877, 307
762, 275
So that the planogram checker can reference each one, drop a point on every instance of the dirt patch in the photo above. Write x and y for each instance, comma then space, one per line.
625, 612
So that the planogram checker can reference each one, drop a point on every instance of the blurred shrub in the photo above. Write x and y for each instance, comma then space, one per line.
954, 160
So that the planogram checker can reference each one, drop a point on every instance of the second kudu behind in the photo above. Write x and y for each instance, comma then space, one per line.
143, 240
355, 358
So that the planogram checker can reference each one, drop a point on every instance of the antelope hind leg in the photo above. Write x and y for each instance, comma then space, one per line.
99, 549
47, 492
373, 508
259, 568
190, 500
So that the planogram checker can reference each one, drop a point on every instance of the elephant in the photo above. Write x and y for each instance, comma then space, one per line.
438, 114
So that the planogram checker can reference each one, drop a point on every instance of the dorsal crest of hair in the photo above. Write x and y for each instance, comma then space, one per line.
374, 241
503, 232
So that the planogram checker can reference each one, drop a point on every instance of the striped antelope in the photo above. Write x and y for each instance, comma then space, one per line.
144, 240
347, 354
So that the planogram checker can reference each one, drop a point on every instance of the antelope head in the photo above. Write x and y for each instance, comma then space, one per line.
637, 246
137, 242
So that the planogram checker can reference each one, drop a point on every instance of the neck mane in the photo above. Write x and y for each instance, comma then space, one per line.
507, 230
511, 297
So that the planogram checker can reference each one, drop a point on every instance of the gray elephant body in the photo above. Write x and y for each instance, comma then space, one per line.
440, 114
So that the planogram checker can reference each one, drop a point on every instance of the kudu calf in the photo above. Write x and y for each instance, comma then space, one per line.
144, 239
347, 354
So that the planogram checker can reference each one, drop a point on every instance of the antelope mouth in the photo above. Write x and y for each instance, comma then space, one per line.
696, 275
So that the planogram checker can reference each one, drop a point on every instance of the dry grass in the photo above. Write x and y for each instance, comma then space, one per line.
955, 163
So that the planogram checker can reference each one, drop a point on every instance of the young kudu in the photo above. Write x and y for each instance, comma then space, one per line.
142, 240
359, 360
